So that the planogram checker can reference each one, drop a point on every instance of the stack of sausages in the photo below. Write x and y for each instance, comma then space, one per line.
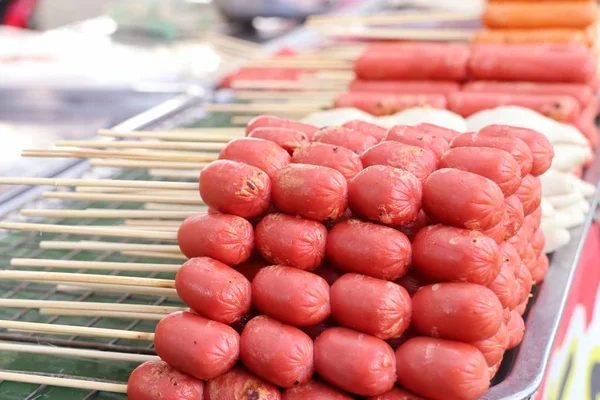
354, 261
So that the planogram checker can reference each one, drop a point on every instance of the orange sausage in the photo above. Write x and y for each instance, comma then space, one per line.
378, 132
441, 369
310, 191
530, 193
559, 108
227, 238
538, 241
269, 121
278, 353
396, 394
434, 130
516, 147
339, 158
213, 290
541, 149
418, 161
463, 199
351, 139
495, 164
238, 383
444, 253
412, 281
156, 380
525, 283
380, 104
383, 308
315, 390
514, 211
355, 362
460, 311
416, 137
516, 330
582, 93
404, 86
291, 295
385, 194
520, 36
530, 15
505, 285
286, 138
493, 348
236, 188
195, 345
369, 249
260, 153
287, 240
540, 269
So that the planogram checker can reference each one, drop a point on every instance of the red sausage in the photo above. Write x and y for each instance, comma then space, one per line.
541, 149
530, 193
463, 199
291, 295
494, 369
339, 158
262, 154
383, 308
519, 241
415, 137
355, 362
213, 290
521, 308
406, 61
286, 138
412, 281
411, 229
515, 146
156, 380
540, 269
560, 108
418, 161
236, 188
380, 104
434, 130
227, 238
356, 141
538, 241
530, 259
441, 369
238, 383
582, 93
444, 253
396, 394
287, 240
369, 249
535, 218
525, 283
310, 191
278, 353
505, 285
495, 164
385, 194
515, 214
378, 132
493, 348
460, 311
532, 62
315, 390
498, 231
327, 272
404, 86
516, 330
269, 121
195, 345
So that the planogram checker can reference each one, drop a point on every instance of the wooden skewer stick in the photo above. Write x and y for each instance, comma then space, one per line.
87, 230
176, 192
401, 34
175, 207
148, 164
173, 173
122, 155
99, 183
107, 246
154, 254
150, 222
290, 85
241, 119
125, 198
94, 265
84, 305
106, 214
63, 382
390, 18
72, 352
282, 95
86, 278
299, 108
103, 314
138, 144
154, 228
209, 135
84, 287
76, 330
292, 62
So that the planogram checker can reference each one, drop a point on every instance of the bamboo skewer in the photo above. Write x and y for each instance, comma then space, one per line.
125, 198
174, 207
107, 214
241, 119
148, 164
400, 34
149, 222
86, 278
175, 192
298, 108
290, 85
180, 135
108, 246
98, 183
122, 155
282, 95
154, 254
73, 352
94, 265
147, 291
389, 18
90, 306
76, 330
293, 62
87, 230
63, 382
138, 144
102, 314
173, 173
